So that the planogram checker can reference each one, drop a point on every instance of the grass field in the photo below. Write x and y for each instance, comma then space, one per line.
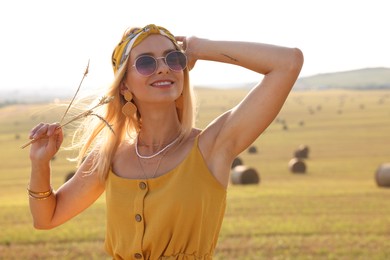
334, 211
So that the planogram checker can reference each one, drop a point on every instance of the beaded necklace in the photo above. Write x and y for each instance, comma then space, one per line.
155, 154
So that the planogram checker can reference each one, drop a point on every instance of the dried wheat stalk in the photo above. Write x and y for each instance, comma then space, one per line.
75, 94
104, 100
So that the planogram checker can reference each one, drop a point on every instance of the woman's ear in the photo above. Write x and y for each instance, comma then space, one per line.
123, 88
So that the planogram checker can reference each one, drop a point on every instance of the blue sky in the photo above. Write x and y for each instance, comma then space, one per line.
47, 43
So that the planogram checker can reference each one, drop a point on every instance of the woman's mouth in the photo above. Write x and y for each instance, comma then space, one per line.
162, 84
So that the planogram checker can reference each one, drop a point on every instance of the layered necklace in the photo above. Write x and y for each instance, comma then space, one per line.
155, 154
163, 151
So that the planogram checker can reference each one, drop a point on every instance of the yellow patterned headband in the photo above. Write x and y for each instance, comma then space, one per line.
131, 38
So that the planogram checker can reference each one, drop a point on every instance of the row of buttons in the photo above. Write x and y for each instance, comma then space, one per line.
142, 185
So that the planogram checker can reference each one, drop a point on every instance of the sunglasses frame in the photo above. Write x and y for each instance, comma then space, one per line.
156, 62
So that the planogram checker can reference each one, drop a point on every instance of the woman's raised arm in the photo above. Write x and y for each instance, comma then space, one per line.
232, 132
51, 208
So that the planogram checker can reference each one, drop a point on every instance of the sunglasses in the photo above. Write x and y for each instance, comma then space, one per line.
146, 65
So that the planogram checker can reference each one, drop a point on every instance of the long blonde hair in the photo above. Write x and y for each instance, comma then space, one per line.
93, 135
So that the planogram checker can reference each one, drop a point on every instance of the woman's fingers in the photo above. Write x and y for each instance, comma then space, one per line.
54, 142
34, 130
43, 129
47, 141
182, 41
53, 129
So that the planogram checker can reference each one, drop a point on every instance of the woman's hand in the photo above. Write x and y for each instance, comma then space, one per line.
48, 139
189, 46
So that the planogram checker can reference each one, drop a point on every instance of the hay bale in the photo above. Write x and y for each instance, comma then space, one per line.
296, 165
244, 175
302, 152
236, 162
382, 175
252, 150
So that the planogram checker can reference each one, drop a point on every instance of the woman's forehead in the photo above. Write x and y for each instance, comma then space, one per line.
154, 43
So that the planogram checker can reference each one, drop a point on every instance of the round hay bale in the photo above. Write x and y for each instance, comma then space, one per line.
382, 175
244, 175
297, 166
252, 150
236, 162
69, 176
302, 152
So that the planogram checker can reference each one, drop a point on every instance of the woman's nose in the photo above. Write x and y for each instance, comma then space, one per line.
162, 66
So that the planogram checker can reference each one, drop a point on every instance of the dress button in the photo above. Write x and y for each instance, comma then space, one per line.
138, 255
138, 218
142, 185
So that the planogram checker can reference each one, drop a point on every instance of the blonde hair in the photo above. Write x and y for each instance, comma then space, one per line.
93, 135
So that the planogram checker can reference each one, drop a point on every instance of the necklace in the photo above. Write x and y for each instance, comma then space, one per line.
155, 171
153, 155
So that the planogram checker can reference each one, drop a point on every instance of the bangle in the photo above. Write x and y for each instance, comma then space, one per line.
40, 195
45, 193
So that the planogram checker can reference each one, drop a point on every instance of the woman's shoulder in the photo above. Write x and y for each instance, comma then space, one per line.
123, 148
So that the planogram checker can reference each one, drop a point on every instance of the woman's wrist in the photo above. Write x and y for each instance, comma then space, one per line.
199, 48
214, 50
40, 175
40, 165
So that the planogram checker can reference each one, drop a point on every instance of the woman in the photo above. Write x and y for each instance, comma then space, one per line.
165, 181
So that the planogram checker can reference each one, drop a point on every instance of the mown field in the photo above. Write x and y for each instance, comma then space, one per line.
333, 211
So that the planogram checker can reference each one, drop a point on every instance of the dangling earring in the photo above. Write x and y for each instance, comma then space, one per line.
129, 109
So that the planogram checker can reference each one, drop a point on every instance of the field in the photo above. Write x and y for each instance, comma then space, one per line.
333, 211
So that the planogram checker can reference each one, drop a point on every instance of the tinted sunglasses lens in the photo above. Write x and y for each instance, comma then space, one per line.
176, 60
146, 65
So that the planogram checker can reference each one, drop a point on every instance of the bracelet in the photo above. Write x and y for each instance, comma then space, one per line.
45, 193
40, 195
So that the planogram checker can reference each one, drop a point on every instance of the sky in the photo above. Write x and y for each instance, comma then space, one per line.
47, 43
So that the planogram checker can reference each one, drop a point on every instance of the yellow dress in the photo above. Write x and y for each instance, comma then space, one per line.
175, 216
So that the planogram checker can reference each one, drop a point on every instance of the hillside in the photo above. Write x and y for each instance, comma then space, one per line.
368, 78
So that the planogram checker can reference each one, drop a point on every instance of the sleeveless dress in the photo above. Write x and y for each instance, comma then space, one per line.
174, 216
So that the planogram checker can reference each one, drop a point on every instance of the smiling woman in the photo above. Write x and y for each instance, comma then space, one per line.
165, 180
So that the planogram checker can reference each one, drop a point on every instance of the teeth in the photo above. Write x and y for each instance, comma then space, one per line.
162, 83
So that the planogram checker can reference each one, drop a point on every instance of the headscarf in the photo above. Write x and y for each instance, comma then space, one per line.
133, 37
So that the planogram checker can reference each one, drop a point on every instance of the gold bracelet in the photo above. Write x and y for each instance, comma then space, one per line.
39, 198
45, 193
40, 195
33, 196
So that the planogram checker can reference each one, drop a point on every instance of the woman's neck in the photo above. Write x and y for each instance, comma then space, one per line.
159, 127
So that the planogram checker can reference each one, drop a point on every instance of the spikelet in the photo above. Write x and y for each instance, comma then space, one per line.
90, 112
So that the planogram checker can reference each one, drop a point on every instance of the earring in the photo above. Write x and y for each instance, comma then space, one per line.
129, 109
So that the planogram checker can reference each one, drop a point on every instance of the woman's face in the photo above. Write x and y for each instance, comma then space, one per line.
164, 85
